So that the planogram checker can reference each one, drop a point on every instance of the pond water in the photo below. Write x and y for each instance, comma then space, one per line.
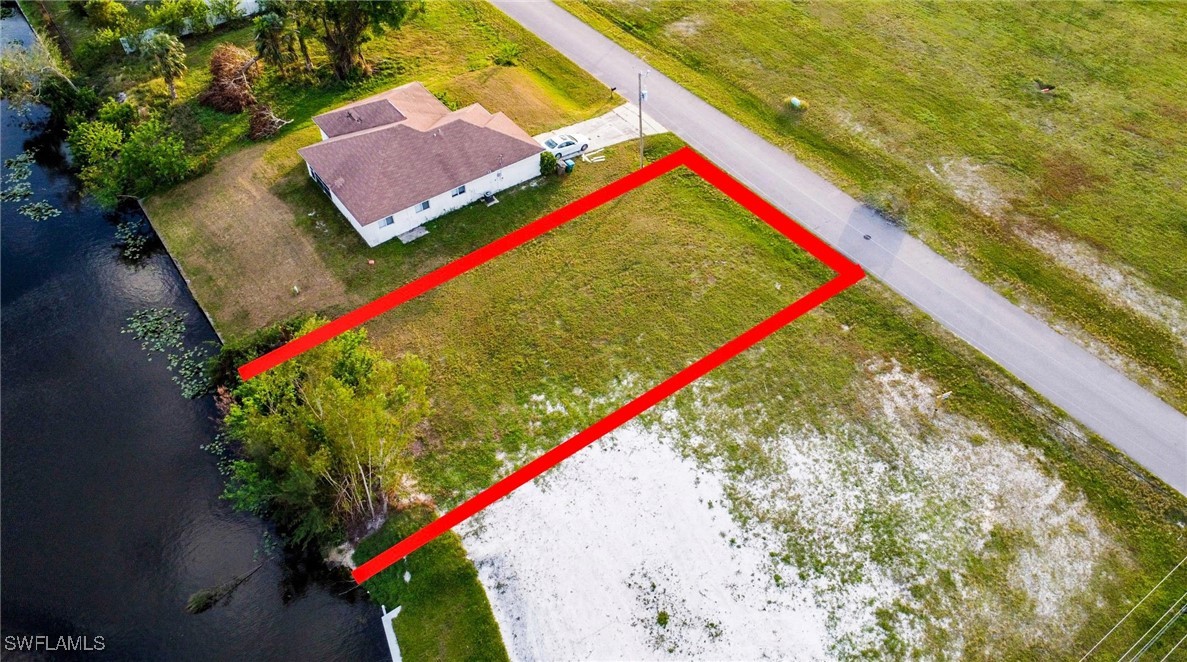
110, 513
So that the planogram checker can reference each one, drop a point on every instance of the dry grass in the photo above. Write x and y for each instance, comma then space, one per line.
230, 221
522, 96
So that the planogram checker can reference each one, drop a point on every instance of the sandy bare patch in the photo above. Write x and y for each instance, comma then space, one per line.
851, 124
229, 221
582, 564
970, 183
909, 533
881, 521
1122, 283
688, 26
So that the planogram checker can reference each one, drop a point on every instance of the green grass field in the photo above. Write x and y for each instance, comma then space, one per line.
1071, 203
538, 344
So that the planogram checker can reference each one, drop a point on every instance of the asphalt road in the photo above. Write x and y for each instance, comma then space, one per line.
1150, 431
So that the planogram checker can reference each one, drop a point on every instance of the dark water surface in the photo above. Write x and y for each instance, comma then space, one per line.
110, 511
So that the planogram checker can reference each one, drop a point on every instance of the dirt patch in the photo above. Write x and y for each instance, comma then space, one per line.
1122, 284
688, 26
224, 227
971, 184
1065, 176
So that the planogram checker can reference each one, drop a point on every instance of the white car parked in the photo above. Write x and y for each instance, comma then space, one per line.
566, 144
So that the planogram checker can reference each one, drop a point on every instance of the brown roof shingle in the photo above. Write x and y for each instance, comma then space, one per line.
384, 169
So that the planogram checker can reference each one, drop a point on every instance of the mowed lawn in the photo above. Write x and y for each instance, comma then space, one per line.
1072, 202
256, 204
536, 345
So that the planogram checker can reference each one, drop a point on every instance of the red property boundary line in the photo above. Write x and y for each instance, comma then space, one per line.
847, 272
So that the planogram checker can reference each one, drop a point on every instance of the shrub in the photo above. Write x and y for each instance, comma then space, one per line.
115, 164
507, 54
95, 142
121, 115
228, 10
444, 98
96, 49
175, 16
891, 204
64, 100
547, 163
152, 158
107, 15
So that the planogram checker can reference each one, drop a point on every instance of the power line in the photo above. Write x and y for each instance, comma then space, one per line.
1160, 633
1173, 649
1130, 612
1151, 629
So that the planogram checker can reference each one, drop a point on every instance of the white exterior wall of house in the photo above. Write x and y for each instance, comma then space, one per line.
407, 219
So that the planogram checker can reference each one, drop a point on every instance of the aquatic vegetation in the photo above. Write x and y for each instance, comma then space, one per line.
18, 169
132, 238
39, 211
163, 330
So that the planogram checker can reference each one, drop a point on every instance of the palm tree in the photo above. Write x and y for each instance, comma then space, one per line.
274, 39
169, 58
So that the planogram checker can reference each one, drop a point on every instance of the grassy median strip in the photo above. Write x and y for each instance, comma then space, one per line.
1020, 141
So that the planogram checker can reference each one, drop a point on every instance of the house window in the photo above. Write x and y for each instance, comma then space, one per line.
422, 206
325, 189
387, 221
459, 190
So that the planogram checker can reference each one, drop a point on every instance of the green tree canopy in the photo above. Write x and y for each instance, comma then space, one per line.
177, 16
115, 163
325, 436
228, 10
344, 26
27, 75
107, 14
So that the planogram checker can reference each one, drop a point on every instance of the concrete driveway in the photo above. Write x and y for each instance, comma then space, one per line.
616, 126
1147, 429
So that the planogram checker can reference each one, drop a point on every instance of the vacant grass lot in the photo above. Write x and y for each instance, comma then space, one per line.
538, 343
532, 347
1070, 202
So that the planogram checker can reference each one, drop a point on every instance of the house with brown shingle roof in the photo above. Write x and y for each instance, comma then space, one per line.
399, 159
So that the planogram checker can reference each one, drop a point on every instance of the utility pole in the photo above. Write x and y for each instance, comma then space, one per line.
642, 97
